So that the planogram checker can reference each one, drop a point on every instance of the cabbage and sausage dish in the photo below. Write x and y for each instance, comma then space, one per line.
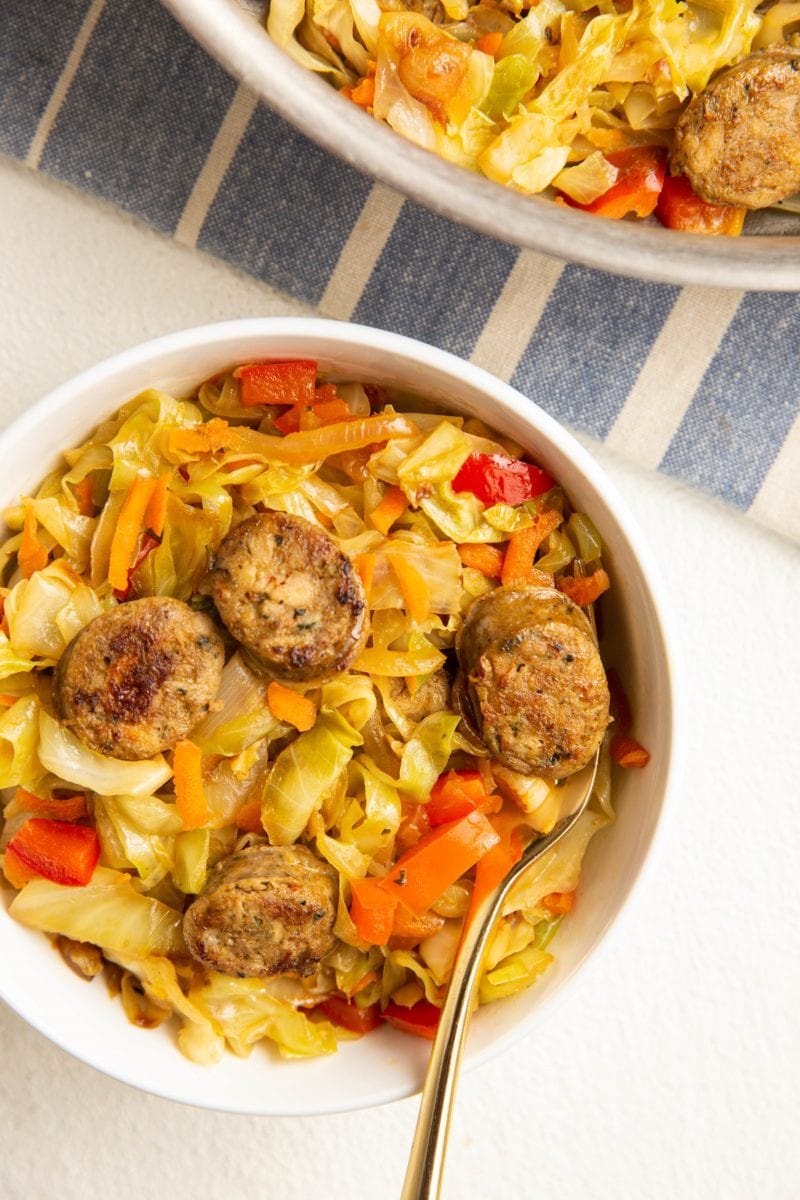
686, 109
290, 672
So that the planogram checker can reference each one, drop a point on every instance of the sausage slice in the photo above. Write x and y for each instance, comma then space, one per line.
288, 594
267, 910
532, 683
139, 677
739, 140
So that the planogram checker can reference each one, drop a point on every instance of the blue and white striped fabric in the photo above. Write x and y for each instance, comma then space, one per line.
114, 97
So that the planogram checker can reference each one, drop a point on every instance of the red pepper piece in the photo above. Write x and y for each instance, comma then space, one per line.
277, 383
421, 1019
454, 795
348, 1015
58, 850
499, 479
680, 208
641, 178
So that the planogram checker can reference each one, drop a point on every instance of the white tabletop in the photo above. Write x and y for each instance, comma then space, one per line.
672, 1069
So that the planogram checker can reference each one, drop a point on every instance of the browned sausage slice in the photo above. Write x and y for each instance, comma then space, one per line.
289, 595
139, 677
532, 684
739, 140
267, 910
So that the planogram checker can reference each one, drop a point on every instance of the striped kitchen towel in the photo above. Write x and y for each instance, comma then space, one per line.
114, 96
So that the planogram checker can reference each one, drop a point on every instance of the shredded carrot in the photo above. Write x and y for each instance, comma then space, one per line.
489, 43
412, 683
518, 568
585, 589
559, 902
372, 911
126, 535
372, 68
156, 515
628, 752
416, 593
364, 981
83, 494
365, 565
6, 701
324, 519
16, 871
199, 439
363, 94
486, 559
187, 768
289, 706
57, 808
248, 818
32, 554
392, 505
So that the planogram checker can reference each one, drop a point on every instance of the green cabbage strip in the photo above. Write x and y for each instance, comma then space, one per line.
304, 774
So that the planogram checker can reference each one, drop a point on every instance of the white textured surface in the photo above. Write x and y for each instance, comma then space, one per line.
672, 1069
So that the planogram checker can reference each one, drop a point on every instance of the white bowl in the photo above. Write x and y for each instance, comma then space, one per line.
386, 1065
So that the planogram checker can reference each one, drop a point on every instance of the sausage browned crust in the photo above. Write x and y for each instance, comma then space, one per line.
289, 595
532, 684
738, 141
139, 677
267, 910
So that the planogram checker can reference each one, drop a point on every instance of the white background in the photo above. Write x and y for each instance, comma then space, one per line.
672, 1067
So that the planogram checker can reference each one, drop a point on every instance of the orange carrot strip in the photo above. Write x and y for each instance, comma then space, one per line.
365, 981
156, 514
489, 43
628, 752
57, 808
83, 494
6, 701
416, 593
363, 94
126, 535
248, 818
392, 505
32, 555
494, 866
518, 565
559, 902
365, 565
486, 559
187, 763
584, 589
372, 911
289, 706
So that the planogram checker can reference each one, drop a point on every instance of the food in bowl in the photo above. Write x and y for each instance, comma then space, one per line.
621, 108
290, 672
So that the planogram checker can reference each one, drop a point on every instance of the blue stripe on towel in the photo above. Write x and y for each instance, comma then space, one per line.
33, 52
284, 209
435, 281
746, 403
590, 344
142, 112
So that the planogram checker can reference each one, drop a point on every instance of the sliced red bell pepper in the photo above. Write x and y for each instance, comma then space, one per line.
277, 382
500, 479
641, 178
420, 876
348, 1015
422, 1019
372, 911
57, 850
627, 752
679, 207
455, 794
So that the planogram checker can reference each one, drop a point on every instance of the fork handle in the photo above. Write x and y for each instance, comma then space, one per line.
423, 1179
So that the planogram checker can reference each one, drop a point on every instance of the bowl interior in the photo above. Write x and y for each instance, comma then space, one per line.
386, 1065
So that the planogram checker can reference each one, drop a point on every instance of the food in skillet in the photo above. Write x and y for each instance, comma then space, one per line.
289, 677
682, 108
